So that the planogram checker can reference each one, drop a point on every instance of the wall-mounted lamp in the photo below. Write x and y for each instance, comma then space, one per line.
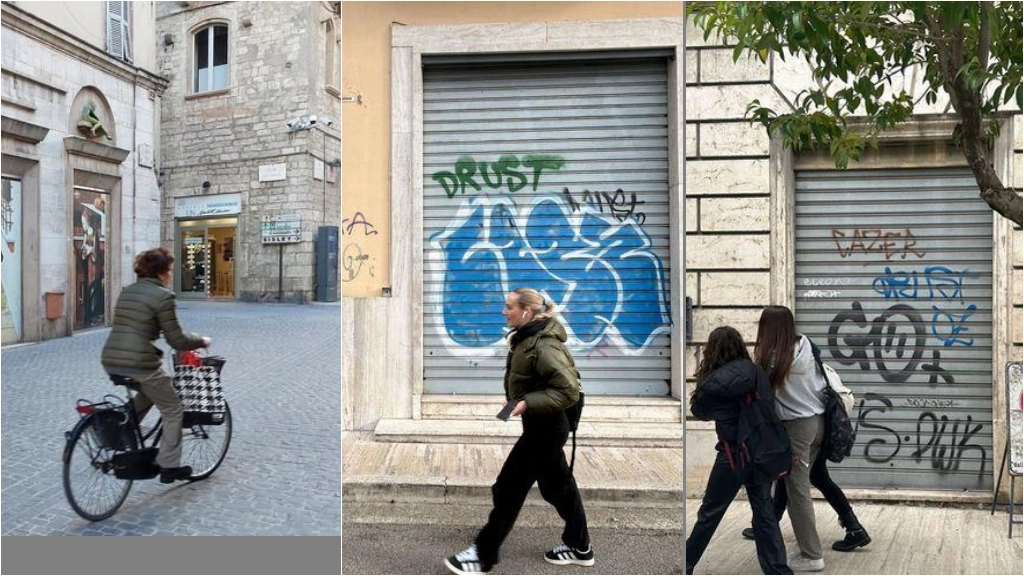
357, 99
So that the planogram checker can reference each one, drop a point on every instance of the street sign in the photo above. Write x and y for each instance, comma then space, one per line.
281, 229
273, 172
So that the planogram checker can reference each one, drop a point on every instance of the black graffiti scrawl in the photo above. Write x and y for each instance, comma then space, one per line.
893, 279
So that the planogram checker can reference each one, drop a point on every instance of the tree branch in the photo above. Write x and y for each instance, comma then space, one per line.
985, 35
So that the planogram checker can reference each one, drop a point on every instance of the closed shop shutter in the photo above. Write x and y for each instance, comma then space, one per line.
549, 172
894, 282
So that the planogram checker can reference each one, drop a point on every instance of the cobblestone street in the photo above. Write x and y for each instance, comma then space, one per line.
282, 472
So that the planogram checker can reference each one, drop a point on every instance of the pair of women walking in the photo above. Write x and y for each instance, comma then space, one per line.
783, 359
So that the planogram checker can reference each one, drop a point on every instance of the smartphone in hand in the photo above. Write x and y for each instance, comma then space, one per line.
506, 412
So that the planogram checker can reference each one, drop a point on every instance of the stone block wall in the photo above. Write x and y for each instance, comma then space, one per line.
276, 75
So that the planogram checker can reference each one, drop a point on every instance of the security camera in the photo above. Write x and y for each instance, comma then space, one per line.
327, 121
312, 119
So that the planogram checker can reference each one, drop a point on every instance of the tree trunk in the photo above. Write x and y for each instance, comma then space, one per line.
972, 142
1003, 200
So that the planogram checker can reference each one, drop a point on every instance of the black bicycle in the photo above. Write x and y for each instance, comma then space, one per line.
108, 449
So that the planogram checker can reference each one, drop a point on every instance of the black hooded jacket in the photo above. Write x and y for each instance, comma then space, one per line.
719, 396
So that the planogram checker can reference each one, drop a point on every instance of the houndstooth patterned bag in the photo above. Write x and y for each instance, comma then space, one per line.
198, 387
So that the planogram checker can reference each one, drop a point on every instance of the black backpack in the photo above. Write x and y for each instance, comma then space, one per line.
762, 441
839, 433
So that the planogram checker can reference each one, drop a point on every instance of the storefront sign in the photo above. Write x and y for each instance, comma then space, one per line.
201, 206
282, 229
273, 172
1015, 403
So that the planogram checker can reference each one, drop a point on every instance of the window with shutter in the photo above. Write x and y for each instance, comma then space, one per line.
126, 36
119, 43
115, 28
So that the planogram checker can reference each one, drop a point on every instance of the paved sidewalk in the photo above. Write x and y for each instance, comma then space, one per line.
905, 539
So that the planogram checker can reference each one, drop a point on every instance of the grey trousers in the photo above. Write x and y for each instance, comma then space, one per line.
157, 389
805, 436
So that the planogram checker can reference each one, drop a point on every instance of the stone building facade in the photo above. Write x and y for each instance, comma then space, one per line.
80, 102
250, 158
863, 257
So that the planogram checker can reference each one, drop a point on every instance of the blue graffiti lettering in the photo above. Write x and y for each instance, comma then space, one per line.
600, 272
952, 325
942, 283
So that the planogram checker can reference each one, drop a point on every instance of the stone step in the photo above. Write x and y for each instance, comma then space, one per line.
376, 471
494, 431
598, 408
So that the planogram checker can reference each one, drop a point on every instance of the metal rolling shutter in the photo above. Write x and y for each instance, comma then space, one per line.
894, 282
550, 173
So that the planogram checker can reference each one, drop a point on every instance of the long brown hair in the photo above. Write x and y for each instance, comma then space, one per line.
776, 340
724, 345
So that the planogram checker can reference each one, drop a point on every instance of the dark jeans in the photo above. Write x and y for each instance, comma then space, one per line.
722, 489
821, 480
536, 457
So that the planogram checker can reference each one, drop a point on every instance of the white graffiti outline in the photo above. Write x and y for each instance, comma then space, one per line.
595, 252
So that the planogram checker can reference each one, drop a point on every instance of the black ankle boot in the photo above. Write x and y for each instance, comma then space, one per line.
855, 538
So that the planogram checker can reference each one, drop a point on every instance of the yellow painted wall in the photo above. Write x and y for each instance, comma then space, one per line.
366, 126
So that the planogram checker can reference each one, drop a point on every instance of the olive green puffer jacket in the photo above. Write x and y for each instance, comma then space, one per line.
542, 372
143, 311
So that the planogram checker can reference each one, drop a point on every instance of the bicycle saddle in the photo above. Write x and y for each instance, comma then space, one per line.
120, 380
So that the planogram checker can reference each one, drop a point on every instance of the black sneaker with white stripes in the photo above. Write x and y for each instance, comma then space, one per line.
467, 562
563, 555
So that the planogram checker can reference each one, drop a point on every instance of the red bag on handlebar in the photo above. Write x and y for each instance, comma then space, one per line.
190, 358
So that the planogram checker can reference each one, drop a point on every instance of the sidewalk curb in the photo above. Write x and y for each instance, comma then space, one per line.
438, 490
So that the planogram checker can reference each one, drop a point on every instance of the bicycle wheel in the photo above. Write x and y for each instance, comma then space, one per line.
89, 482
203, 447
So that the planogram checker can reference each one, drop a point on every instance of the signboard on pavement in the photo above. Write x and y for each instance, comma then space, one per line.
281, 229
1014, 400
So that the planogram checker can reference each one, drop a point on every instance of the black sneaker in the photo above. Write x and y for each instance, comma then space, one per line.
467, 562
563, 555
168, 475
748, 533
854, 539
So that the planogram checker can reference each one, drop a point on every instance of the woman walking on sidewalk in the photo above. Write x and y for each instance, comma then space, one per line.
541, 381
726, 378
789, 360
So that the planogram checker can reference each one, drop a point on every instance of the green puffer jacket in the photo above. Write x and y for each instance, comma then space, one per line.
541, 371
143, 311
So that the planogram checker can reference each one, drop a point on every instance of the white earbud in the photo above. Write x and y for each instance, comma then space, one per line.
524, 314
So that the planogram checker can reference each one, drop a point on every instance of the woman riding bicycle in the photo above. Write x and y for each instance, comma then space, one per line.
143, 311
